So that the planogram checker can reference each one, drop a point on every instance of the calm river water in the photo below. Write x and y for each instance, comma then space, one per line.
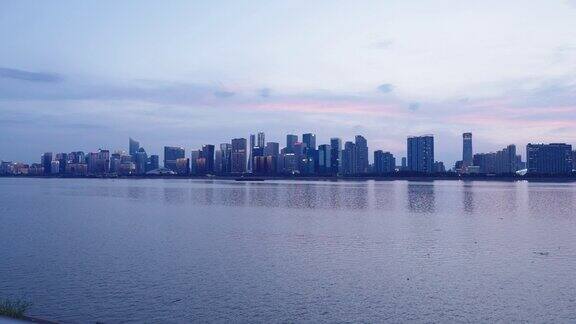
166, 251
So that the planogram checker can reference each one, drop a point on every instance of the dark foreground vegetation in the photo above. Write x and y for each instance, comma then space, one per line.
13, 308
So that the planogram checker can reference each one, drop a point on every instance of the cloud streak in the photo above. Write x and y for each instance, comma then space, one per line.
104, 111
21, 75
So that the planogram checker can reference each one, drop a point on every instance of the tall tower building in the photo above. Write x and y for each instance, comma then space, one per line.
310, 140
554, 158
324, 159
349, 159
261, 140
336, 155
250, 151
290, 141
238, 155
467, 155
47, 159
384, 162
171, 154
133, 146
420, 151
140, 161
208, 154
361, 154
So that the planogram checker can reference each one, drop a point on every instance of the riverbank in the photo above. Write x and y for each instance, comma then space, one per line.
387, 177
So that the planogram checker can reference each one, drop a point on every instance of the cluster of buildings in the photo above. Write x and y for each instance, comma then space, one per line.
299, 156
549, 159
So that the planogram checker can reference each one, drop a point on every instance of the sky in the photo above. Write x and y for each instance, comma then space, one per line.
84, 75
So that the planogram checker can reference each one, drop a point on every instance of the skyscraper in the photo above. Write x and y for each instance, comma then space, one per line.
361, 154
261, 140
153, 162
554, 158
182, 166
250, 149
290, 141
133, 146
62, 159
349, 159
486, 162
226, 152
238, 155
506, 160
195, 167
324, 159
467, 155
420, 151
140, 160
208, 154
271, 149
103, 161
336, 154
384, 162
171, 154
309, 140
47, 162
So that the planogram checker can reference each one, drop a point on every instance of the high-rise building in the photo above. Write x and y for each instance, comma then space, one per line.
290, 163
182, 166
336, 155
195, 167
349, 159
77, 157
250, 149
309, 140
272, 149
62, 159
47, 162
153, 163
264, 165
103, 162
325, 159
439, 167
171, 154
384, 162
226, 157
290, 141
467, 155
554, 158
486, 162
420, 151
238, 155
261, 140
133, 146
208, 154
140, 161
506, 160
574, 160
361, 154
55, 167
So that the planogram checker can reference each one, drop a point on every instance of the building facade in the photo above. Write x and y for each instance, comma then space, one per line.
420, 153
554, 158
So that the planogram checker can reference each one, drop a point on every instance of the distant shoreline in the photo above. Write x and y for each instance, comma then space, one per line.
254, 178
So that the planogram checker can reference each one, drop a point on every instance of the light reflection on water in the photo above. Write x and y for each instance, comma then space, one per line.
289, 251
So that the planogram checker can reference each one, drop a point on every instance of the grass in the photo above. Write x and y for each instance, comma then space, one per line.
14, 309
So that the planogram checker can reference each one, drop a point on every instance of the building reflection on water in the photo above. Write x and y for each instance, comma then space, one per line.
468, 197
421, 197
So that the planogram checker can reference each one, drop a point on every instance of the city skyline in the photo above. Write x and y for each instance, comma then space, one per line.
300, 156
383, 69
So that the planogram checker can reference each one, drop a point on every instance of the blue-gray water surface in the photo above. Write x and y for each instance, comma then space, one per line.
85, 250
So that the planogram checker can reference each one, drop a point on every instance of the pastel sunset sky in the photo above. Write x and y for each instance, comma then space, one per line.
80, 75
